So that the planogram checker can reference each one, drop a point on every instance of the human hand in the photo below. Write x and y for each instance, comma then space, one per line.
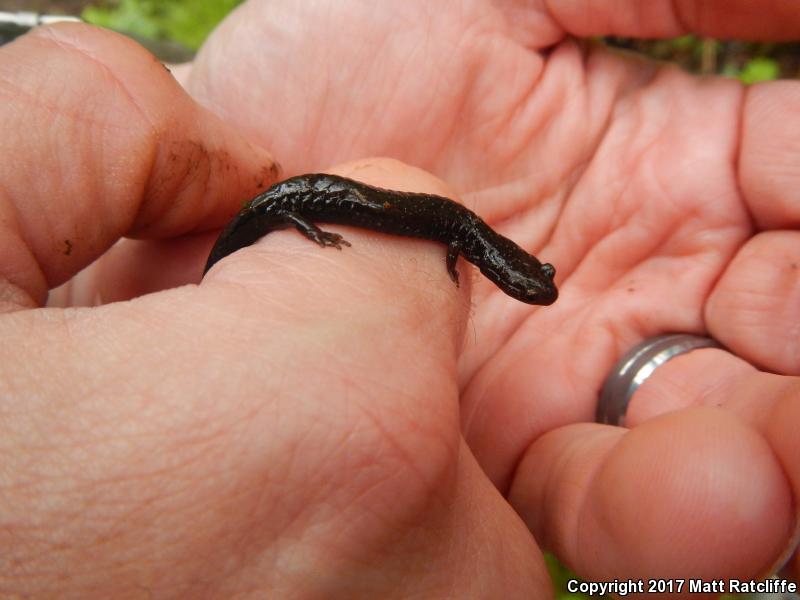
665, 201
281, 429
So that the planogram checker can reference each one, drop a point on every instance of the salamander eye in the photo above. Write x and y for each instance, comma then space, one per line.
548, 270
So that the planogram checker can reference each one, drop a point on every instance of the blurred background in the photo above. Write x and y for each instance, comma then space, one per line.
174, 29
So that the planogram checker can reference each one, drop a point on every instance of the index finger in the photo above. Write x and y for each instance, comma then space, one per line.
99, 142
744, 19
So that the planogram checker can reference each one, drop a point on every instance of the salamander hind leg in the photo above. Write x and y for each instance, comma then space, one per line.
314, 233
453, 250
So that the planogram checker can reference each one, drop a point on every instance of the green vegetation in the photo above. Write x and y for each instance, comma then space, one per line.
759, 69
186, 21
750, 62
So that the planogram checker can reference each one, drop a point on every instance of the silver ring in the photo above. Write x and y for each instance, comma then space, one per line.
636, 366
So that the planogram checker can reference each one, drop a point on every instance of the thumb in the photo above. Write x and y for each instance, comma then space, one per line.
99, 141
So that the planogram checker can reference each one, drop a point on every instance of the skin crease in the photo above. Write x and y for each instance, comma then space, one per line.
188, 443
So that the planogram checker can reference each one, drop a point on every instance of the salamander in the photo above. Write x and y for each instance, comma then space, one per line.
304, 200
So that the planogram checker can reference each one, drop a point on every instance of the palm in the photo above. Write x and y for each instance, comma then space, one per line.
573, 155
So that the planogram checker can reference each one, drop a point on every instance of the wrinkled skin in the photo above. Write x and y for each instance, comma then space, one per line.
320, 424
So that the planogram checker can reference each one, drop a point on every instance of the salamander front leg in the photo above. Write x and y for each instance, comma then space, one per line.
453, 250
314, 233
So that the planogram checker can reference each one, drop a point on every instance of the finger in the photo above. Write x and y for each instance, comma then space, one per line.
672, 497
712, 378
768, 165
133, 268
706, 377
754, 308
99, 141
310, 413
774, 20
717, 378
519, 567
781, 433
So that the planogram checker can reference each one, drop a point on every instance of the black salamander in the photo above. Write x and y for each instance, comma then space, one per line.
301, 201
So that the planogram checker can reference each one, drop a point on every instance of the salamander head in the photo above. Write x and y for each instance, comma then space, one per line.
528, 281
539, 289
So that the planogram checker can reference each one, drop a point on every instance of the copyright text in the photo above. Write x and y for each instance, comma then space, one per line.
623, 587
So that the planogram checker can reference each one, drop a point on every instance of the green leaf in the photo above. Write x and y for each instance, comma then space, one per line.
186, 21
759, 69
133, 16
190, 22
